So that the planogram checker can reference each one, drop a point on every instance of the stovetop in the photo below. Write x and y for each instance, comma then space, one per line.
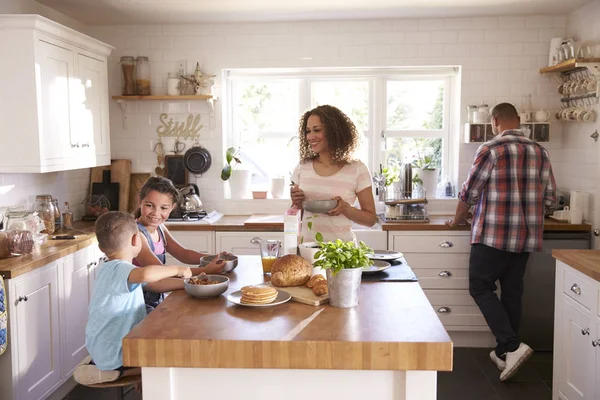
186, 217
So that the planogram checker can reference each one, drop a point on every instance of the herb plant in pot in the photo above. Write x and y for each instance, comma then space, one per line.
425, 174
343, 262
239, 182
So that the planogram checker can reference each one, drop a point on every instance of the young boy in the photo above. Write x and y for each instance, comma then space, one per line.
117, 304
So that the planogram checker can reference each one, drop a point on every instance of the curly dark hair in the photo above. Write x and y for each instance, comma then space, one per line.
161, 185
340, 131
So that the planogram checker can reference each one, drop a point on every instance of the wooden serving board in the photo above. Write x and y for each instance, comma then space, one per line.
120, 171
303, 294
137, 180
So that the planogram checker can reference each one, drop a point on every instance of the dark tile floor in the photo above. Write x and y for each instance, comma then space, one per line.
474, 377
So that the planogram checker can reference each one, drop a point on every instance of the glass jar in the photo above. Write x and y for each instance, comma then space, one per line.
67, 217
128, 76
142, 76
470, 113
57, 222
173, 84
16, 219
45, 210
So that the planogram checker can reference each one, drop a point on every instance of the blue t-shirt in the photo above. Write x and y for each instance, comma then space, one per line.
115, 308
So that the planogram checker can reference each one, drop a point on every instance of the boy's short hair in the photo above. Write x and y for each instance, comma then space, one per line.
114, 230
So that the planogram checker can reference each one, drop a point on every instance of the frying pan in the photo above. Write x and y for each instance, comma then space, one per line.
197, 160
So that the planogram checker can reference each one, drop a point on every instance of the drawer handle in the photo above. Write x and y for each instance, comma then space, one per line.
446, 244
576, 289
444, 310
596, 342
22, 298
585, 331
445, 274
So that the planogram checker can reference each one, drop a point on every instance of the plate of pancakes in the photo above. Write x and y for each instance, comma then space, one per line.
258, 296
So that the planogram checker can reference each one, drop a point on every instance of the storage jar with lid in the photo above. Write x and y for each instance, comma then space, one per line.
470, 113
67, 217
173, 84
142, 76
16, 219
57, 222
45, 210
128, 76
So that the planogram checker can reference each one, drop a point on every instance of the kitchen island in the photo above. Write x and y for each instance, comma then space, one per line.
389, 347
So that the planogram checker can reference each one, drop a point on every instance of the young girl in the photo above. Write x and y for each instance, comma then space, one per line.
327, 170
157, 198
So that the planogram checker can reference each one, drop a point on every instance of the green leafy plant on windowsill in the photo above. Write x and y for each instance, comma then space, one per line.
339, 255
232, 159
391, 175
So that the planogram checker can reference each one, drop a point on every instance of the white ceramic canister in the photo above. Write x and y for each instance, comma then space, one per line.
542, 115
173, 84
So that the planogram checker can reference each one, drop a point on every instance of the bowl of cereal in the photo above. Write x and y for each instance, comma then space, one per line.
206, 286
229, 259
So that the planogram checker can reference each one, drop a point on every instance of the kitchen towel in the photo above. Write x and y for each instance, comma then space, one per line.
3, 319
578, 200
398, 272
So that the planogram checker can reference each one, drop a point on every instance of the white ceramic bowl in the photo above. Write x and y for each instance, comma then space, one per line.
231, 262
207, 291
308, 250
319, 206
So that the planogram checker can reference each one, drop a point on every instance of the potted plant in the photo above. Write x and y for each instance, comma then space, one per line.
343, 262
425, 171
239, 183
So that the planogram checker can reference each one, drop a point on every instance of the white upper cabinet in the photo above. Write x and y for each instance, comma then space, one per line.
53, 97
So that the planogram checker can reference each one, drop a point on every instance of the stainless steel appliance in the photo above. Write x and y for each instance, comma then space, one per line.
537, 323
178, 216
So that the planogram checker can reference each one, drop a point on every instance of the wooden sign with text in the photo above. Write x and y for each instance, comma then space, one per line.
188, 129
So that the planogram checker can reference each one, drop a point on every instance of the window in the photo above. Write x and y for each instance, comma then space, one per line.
404, 115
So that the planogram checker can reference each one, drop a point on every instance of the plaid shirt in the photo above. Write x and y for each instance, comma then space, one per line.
509, 183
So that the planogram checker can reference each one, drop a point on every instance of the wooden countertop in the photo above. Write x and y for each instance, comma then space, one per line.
585, 261
393, 328
50, 251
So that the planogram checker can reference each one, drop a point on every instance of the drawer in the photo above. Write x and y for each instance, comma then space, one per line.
455, 308
437, 261
432, 244
580, 288
442, 278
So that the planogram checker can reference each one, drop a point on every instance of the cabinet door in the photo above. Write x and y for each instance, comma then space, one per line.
99, 259
54, 96
76, 294
239, 244
90, 108
36, 332
200, 241
596, 393
577, 364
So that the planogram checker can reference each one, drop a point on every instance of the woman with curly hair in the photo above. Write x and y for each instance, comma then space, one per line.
327, 170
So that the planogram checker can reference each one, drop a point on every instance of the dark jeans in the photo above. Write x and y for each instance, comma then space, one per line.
486, 266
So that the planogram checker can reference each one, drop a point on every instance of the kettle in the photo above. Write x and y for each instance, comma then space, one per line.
190, 199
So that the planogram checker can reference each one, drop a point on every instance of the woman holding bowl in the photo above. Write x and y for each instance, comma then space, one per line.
328, 171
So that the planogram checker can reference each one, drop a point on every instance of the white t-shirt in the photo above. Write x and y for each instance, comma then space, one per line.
353, 178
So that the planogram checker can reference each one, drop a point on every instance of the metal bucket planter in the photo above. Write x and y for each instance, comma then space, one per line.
344, 287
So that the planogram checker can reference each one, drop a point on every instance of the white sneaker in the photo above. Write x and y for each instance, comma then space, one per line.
500, 363
514, 360
88, 374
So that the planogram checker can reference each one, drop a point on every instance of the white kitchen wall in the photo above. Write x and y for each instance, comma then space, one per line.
581, 153
500, 59
71, 186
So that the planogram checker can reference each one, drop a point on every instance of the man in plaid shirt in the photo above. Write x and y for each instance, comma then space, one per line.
510, 184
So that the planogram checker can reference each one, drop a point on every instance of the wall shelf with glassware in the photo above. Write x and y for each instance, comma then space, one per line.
480, 133
152, 97
593, 64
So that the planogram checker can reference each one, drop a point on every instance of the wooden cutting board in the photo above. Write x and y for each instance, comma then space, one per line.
137, 180
304, 295
120, 171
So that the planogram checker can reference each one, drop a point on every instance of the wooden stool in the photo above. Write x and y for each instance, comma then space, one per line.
119, 384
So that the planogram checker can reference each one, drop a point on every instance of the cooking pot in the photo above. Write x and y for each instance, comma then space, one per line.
190, 199
197, 160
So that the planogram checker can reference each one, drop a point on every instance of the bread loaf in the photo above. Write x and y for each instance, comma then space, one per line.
290, 270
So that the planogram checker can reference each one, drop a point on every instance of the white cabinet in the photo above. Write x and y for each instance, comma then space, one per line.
576, 336
239, 244
34, 333
77, 279
54, 97
202, 241
440, 260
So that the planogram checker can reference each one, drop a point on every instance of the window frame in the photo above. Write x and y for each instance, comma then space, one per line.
377, 108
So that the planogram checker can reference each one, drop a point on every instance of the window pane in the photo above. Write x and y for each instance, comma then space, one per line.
421, 152
265, 106
415, 105
270, 158
352, 97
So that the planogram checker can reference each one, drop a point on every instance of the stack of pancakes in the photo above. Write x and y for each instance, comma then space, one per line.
258, 294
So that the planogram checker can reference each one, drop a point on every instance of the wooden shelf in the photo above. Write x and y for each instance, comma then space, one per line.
569, 65
191, 97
